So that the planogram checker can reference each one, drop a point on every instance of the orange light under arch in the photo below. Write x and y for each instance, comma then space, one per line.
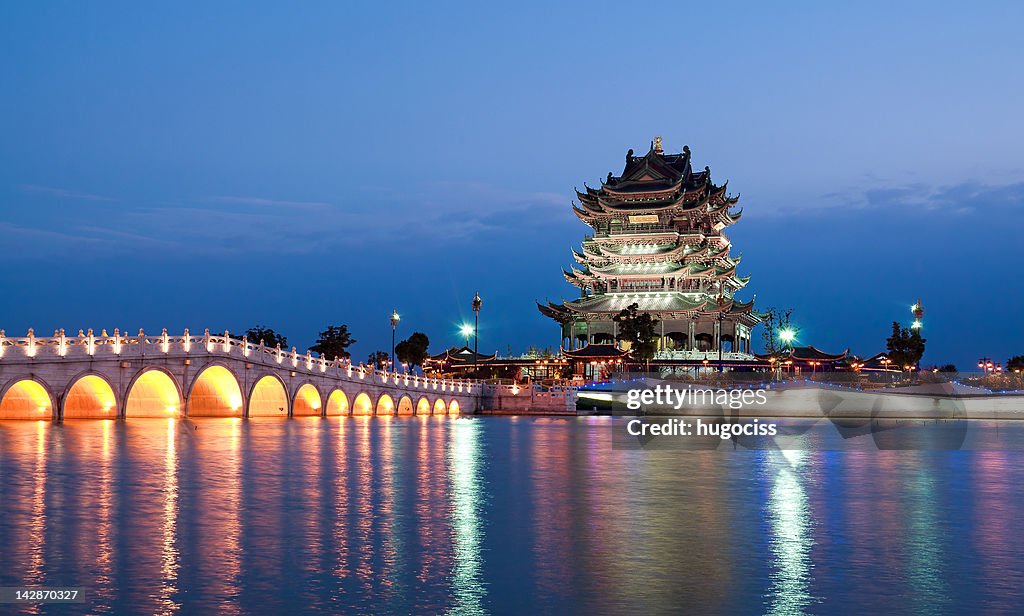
337, 403
362, 405
26, 399
405, 406
423, 407
91, 397
385, 405
439, 407
307, 401
268, 399
153, 394
215, 393
453, 408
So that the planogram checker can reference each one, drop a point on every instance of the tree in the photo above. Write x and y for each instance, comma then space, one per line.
413, 350
948, 368
638, 329
378, 358
776, 321
1015, 363
333, 342
905, 346
268, 336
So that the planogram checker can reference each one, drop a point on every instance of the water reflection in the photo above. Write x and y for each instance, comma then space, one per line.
466, 497
479, 515
790, 520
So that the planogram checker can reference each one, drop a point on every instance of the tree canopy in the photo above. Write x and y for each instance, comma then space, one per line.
379, 359
333, 342
777, 320
905, 346
413, 350
1015, 363
638, 329
268, 336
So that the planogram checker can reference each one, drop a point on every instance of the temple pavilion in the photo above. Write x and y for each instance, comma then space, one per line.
658, 241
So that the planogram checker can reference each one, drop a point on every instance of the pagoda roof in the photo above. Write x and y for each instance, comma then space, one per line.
809, 353
595, 351
462, 355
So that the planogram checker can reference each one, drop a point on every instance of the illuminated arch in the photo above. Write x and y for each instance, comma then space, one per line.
268, 398
215, 393
405, 406
26, 399
90, 396
385, 405
153, 393
453, 408
439, 407
362, 405
307, 401
423, 407
337, 403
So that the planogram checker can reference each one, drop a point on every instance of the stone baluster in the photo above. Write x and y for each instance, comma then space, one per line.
227, 341
3, 342
245, 346
309, 359
206, 341
295, 358
31, 349
278, 354
117, 341
187, 341
165, 343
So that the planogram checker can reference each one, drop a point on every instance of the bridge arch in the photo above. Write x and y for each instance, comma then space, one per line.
405, 406
439, 407
215, 393
453, 407
337, 404
307, 401
153, 392
385, 405
362, 405
89, 395
26, 398
268, 397
423, 407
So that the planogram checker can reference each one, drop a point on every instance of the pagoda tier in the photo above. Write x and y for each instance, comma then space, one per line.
657, 241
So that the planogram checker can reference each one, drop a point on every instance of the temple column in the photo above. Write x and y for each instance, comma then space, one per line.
662, 335
718, 336
691, 344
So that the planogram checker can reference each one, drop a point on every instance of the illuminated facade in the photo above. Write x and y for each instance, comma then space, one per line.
658, 242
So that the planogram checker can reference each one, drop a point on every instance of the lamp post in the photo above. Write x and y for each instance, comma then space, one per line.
394, 326
918, 312
477, 304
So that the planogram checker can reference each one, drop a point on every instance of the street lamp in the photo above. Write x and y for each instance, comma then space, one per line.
394, 326
787, 336
918, 311
477, 304
466, 330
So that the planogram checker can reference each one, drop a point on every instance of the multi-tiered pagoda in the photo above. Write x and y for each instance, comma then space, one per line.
658, 242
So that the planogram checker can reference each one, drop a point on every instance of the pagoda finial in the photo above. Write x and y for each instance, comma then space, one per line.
657, 146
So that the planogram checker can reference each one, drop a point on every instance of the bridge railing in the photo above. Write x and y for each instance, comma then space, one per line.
88, 345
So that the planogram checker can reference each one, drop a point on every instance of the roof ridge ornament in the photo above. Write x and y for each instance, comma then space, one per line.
658, 149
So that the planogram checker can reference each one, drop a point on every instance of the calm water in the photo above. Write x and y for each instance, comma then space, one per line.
498, 515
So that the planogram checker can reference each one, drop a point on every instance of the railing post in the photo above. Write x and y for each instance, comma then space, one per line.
165, 343
117, 341
61, 343
187, 341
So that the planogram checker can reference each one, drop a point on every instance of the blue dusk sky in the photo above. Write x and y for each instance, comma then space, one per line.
229, 164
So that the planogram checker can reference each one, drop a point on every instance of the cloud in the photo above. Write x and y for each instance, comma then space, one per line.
265, 202
63, 193
959, 199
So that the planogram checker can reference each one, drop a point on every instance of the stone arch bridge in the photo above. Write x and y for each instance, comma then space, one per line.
118, 376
